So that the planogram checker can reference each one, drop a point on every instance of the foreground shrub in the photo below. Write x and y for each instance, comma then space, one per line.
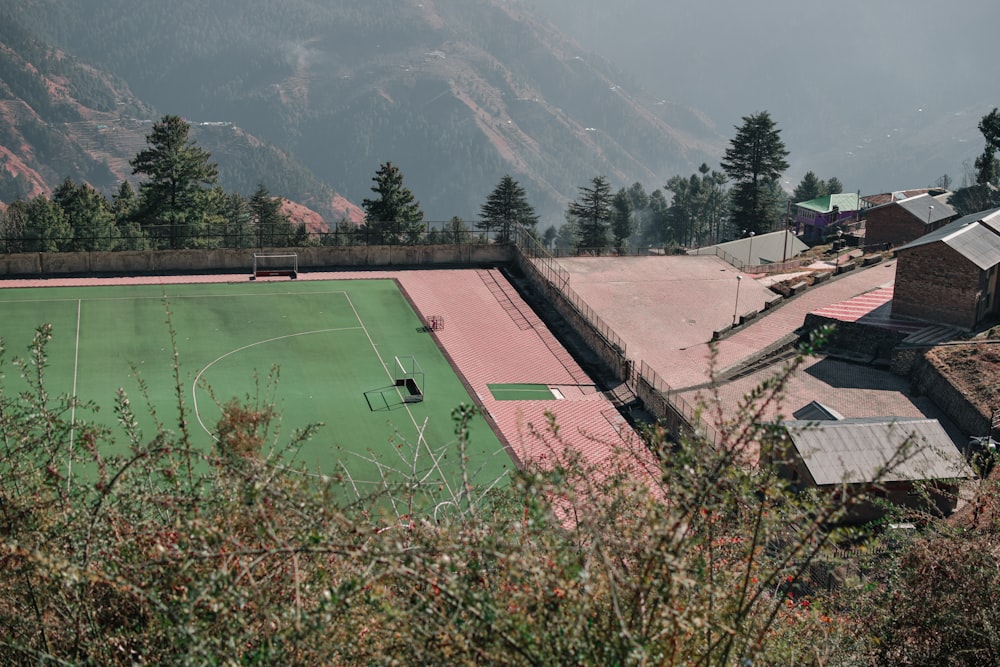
173, 555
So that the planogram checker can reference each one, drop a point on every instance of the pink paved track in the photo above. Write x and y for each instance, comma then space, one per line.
491, 336
666, 308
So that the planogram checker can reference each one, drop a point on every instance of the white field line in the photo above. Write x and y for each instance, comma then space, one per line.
421, 441
197, 378
72, 409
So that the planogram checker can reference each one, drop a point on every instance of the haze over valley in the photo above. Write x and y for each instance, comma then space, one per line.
459, 93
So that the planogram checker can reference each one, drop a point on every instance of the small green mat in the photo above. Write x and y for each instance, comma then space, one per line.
521, 392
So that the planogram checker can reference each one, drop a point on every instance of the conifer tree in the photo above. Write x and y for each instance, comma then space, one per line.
755, 157
591, 214
986, 164
46, 227
506, 207
394, 214
179, 176
809, 188
89, 214
622, 222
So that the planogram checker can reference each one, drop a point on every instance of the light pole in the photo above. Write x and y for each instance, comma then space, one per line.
736, 307
750, 249
930, 209
840, 235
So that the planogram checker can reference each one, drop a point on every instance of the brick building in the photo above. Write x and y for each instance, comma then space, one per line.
951, 275
898, 222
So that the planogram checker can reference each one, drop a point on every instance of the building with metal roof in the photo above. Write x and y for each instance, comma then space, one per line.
900, 221
952, 275
886, 457
757, 250
816, 218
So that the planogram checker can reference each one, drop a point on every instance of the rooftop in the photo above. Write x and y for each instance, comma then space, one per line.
976, 237
843, 202
888, 449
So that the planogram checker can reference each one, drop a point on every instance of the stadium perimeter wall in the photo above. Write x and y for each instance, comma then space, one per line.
232, 260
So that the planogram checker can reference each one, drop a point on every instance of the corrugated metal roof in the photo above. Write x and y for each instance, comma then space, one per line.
926, 209
978, 243
976, 237
843, 202
765, 248
867, 450
992, 220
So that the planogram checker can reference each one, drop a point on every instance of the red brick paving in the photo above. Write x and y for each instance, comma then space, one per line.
667, 307
670, 319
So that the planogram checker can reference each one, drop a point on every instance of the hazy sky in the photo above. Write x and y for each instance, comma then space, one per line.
883, 94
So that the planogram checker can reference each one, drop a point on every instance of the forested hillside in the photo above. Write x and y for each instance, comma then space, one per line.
62, 118
456, 93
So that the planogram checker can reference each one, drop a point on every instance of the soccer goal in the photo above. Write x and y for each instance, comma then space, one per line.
275, 264
409, 376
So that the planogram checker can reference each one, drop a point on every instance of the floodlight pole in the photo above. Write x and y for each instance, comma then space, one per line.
736, 307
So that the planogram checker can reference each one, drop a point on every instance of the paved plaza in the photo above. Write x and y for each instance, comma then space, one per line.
666, 308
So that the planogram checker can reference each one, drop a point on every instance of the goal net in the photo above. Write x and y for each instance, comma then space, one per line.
409, 377
275, 264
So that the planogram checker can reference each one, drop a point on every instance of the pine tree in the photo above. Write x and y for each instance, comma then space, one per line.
179, 176
987, 168
809, 188
395, 213
89, 214
46, 227
125, 209
755, 157
506, 207
592, 216
273, 227
622, 222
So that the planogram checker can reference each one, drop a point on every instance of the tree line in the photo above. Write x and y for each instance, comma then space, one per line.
179, 204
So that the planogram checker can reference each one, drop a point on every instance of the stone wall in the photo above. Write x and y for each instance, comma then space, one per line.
856, 341
927, 379
227, 260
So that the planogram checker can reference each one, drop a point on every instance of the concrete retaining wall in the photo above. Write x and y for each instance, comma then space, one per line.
609, 353
228, 260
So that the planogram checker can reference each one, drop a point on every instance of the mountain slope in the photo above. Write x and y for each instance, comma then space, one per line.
61, 118
455, 92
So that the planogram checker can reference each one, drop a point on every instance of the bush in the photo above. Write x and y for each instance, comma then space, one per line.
170, 555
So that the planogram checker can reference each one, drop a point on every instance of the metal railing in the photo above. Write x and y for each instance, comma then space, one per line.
657, 395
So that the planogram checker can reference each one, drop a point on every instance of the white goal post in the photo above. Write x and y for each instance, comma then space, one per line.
275, 264
409, 377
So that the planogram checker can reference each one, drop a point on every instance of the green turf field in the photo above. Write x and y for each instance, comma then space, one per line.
334, 343
521, 392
